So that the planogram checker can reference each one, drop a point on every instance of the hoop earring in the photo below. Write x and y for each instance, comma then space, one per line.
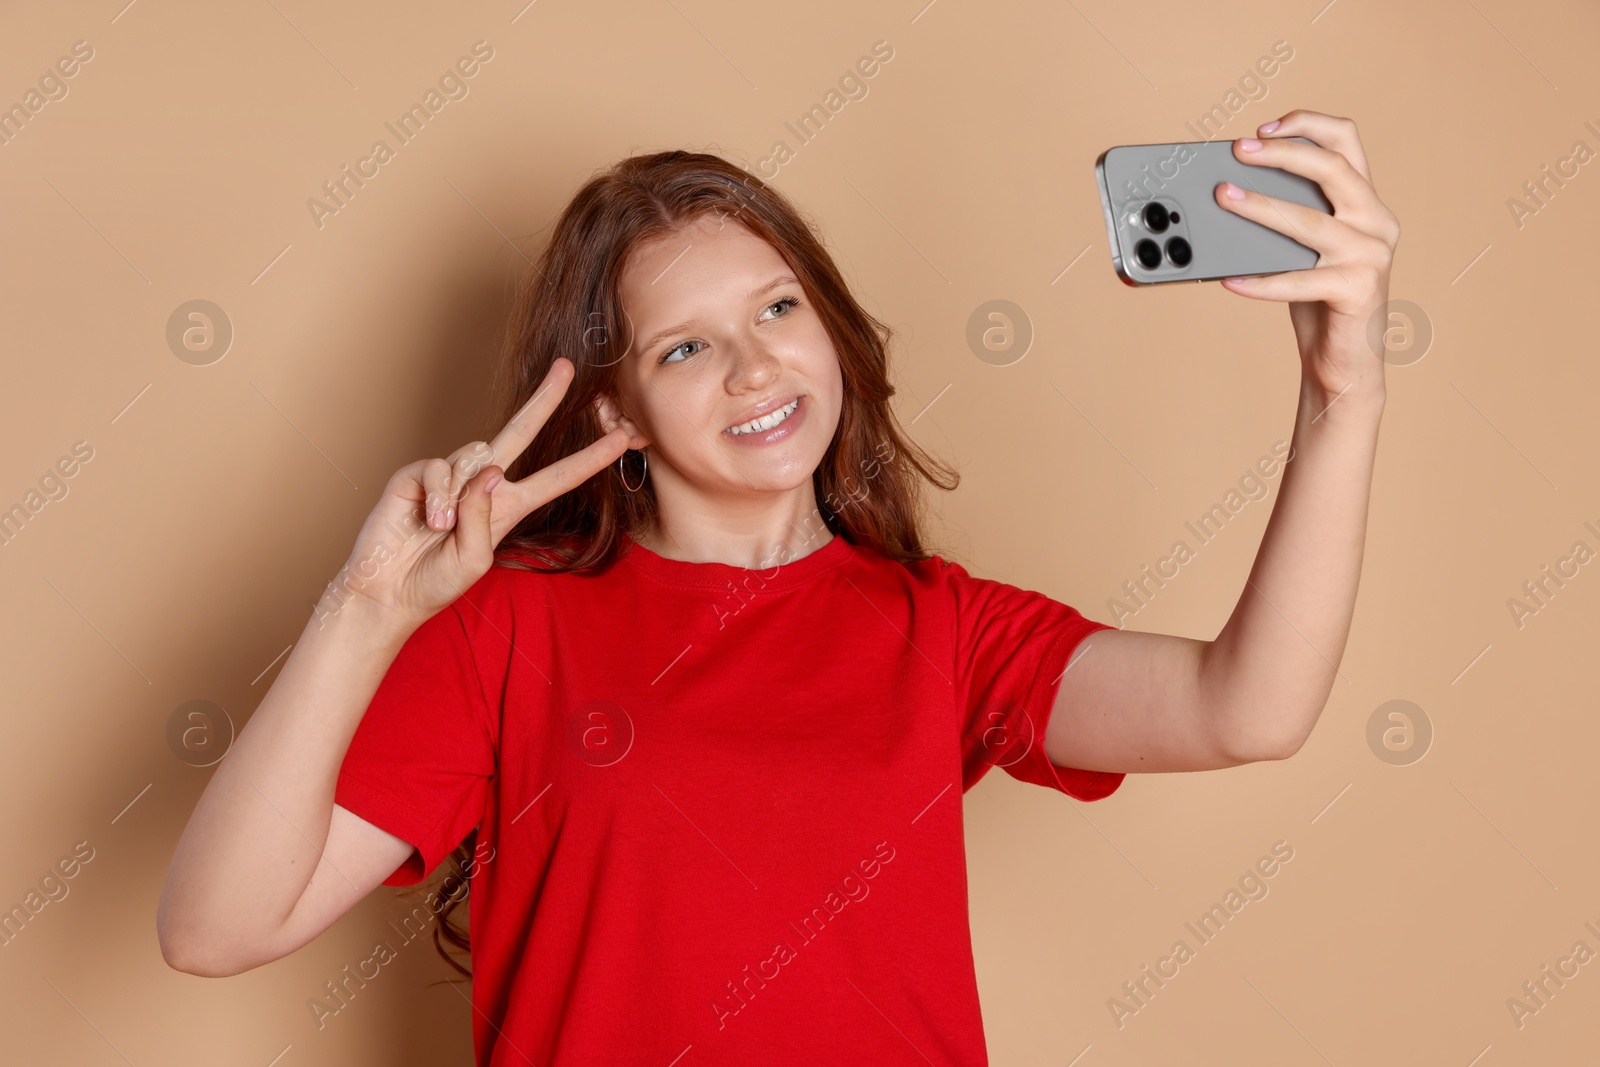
623, 474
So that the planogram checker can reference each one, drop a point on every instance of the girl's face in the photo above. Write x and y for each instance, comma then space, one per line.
722, 334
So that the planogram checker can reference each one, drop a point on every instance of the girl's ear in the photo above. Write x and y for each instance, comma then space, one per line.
611, 417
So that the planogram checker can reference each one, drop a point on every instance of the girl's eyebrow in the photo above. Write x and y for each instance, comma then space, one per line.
782, 279
661, 335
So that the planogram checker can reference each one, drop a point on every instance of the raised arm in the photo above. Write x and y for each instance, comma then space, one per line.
264, 830
1154, 702
268, 861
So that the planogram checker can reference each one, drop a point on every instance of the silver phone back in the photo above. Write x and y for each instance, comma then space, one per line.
1181, 177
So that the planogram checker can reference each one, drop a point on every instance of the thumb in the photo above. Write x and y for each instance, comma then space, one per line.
474, 541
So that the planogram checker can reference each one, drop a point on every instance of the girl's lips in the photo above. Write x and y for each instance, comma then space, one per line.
762, 410
778, 432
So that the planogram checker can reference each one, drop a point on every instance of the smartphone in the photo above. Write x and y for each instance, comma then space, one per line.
1164, 223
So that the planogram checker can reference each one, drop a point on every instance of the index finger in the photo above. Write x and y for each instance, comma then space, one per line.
1347, 191
525, 425
515, 501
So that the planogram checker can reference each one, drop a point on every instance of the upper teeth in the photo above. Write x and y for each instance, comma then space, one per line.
768, 421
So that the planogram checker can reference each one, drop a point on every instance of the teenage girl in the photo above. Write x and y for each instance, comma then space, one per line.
666, 672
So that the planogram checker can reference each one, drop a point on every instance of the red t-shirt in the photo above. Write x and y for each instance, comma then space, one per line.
724, 805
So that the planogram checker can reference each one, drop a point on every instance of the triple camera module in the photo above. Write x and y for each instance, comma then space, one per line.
1151, 252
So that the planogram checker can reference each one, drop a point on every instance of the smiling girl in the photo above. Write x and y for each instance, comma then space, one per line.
667, 671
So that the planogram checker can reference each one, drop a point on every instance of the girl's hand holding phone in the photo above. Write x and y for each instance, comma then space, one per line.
1332, 303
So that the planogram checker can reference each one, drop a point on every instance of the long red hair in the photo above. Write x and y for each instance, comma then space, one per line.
869, 483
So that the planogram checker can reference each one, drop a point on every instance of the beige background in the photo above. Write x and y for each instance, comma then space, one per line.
221, 498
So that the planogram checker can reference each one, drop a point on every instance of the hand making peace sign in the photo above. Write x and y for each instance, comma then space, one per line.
468, 507
1331, 304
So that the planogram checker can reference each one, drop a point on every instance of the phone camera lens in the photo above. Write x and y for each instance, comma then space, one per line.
1148, 253
1155, 217
1179, 252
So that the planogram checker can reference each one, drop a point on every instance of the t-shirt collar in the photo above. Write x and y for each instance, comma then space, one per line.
781, 575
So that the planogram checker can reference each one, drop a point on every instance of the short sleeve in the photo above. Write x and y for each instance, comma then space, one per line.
421, 759
1012, 647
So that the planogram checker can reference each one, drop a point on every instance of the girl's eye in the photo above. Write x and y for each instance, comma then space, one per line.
670, 351
787, 301
666, 357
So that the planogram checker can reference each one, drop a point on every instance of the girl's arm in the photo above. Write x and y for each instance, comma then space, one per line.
1153, 702
264, 865
268, 861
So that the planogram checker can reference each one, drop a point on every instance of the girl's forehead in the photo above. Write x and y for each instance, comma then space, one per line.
702, 230
693, 257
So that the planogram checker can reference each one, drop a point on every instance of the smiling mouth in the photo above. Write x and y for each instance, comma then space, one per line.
765, 422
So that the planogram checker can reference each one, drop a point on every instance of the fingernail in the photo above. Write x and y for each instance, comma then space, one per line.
449, 515
1249, 144
492, 481
1232, 191
1269, 127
